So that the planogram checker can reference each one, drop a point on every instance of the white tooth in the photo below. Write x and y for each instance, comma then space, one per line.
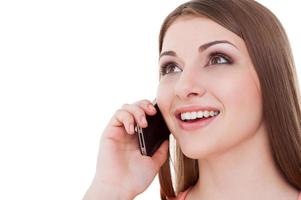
206, 113
200, 114
187, 116
193, 115
182, 116
190, 116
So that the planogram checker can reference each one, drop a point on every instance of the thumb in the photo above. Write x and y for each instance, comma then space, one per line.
160, 155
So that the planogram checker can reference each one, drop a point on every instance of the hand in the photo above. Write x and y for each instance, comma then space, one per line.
120, 162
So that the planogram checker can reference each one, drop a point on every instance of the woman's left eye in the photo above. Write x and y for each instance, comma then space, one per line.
219, 58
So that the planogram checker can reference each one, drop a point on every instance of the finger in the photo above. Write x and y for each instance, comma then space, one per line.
147, 106
137, 112
124, 118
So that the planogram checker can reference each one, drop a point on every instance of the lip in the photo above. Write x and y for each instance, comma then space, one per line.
190, 126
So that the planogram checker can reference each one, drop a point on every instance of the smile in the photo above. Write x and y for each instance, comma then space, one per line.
193, 121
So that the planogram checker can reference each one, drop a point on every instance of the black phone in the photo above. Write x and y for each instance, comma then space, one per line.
151, 137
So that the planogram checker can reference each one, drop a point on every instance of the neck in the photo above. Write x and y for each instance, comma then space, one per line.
246, 171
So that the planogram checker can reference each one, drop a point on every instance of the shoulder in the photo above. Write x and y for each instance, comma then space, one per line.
182, 195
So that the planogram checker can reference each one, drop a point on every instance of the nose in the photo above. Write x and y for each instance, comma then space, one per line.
189, 85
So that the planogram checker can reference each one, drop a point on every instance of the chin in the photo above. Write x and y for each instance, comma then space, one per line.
192, 155
202, 150
195, 151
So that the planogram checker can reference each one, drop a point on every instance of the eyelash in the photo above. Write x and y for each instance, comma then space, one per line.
215, 54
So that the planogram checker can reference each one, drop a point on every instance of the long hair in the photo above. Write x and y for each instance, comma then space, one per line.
271, 55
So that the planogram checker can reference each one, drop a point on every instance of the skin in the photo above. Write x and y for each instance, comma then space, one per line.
122, 172
233, 152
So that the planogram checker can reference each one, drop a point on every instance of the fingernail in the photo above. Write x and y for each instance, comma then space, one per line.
151, 107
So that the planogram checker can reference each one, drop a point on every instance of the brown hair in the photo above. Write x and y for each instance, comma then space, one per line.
270, 52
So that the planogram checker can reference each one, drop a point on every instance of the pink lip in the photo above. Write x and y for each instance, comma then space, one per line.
190, 126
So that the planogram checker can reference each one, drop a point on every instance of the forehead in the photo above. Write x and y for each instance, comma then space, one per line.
192, 31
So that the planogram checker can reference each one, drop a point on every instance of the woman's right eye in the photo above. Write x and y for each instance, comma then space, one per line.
169, 68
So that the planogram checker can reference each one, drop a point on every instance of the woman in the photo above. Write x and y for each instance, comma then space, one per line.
229, 94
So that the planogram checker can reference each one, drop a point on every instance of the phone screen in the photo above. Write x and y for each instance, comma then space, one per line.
151, 137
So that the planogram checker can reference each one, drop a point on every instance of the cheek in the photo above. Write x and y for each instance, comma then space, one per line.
242, 98
165, 98
237, 88
242, 110
163, 95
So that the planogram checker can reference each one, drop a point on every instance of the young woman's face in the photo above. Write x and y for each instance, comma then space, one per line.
219, 76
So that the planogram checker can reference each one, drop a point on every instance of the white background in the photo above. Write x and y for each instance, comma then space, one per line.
65, 67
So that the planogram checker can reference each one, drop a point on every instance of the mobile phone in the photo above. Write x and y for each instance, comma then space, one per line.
151, 137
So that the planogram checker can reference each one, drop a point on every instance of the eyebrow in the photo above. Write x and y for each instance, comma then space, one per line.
202, 48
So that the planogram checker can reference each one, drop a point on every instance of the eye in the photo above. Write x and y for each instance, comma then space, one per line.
219, 58
169, 68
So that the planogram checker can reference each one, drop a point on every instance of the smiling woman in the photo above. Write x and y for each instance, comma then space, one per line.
229, 95
255, 89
